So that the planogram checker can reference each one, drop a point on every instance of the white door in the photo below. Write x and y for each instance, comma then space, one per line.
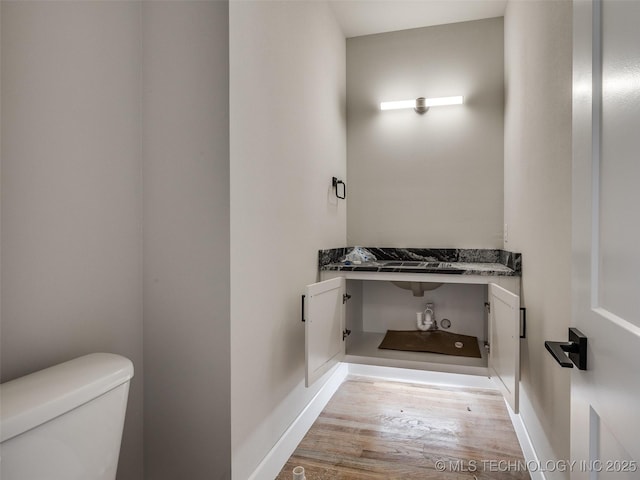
605, 398
504, 342
324, 310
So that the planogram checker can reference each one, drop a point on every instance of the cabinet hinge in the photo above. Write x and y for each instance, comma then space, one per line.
345, 297
487, 347
345, 334
487, 305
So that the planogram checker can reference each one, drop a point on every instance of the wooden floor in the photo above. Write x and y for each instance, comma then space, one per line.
374, 429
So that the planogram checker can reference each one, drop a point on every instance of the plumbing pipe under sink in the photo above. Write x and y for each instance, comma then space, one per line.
426, 320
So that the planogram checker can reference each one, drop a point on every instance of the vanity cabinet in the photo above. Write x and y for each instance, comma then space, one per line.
343, 324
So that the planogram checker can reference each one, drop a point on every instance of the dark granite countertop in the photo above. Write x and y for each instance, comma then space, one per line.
487, 262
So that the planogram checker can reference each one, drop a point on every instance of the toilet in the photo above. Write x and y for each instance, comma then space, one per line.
65, 422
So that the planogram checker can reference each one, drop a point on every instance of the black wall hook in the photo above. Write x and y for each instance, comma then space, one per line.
336, 184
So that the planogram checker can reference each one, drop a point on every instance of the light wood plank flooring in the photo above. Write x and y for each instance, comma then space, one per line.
373, 429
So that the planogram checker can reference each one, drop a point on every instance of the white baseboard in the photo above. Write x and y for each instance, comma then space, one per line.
421, 376
277, 457
528, 450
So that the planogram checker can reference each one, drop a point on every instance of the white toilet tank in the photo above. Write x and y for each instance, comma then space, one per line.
65, 422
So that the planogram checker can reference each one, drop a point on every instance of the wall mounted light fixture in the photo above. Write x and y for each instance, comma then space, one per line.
421, 104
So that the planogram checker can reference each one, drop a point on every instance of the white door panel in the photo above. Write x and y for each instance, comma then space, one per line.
324, 324
619, 197
504, 341
605, 418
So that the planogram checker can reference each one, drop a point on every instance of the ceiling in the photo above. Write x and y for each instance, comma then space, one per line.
365, 17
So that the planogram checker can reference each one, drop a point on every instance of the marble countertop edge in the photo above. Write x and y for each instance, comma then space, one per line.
486, 262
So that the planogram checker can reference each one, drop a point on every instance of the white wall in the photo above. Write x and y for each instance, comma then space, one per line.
538, 205
432, 180
185, 105
71, 191
287, 77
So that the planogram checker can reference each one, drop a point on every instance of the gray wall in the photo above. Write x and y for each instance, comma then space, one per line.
186, 240
537, 208
71, 191
287, 80
115, 152
436, 179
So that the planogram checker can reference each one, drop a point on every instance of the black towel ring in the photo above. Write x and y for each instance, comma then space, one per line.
336, 184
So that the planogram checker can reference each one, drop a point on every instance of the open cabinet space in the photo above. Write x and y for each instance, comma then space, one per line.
363, 347
378, 306
347, 316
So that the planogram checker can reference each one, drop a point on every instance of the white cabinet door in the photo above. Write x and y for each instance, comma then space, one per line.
324, 326
504, 341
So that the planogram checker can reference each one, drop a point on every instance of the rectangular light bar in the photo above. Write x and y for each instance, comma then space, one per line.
397, 105
428, 102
